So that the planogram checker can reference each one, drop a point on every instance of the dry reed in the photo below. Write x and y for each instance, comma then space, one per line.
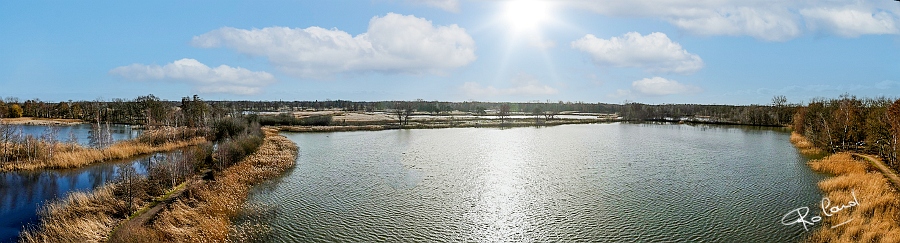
876, 217
80, 217
205, 215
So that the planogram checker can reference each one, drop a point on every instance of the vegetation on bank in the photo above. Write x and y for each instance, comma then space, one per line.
205, 213
152, 111
840, 127
850, 124
63, 221
874, 219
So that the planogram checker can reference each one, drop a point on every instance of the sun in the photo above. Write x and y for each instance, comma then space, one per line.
526, 15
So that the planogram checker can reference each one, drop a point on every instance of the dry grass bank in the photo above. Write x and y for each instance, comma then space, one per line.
72, 156
41, 121
80, 217
205, 214
805, 146
875, 219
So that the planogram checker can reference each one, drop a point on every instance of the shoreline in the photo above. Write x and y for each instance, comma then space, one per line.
42, 121
200, 208
438, 124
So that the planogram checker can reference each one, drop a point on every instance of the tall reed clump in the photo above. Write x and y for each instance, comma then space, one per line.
804, 145
205, 214
80, 217
875, 219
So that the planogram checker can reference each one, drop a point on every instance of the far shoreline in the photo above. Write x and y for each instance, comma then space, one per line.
34, 121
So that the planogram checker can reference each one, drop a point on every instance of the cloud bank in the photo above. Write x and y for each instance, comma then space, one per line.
392, 44
654, 52
221, 79
769, 20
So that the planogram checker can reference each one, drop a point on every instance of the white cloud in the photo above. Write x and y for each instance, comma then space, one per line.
447, 5
222, 79
770, 20
654, 52
658, 86
392, 44
850, 22
522, 85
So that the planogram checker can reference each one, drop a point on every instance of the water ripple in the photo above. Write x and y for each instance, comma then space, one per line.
607, 183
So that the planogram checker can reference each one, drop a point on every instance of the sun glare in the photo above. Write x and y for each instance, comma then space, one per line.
526, 15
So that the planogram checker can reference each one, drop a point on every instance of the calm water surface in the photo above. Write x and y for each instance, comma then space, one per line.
23, 193
601, 183
81, 132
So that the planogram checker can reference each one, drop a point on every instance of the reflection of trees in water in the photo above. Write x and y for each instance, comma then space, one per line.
28, 190
82, 132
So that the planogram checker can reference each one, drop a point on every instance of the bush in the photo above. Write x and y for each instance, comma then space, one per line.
228, 127
170, 134
234, 150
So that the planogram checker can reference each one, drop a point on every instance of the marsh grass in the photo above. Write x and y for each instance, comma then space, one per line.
80, 217
875, 219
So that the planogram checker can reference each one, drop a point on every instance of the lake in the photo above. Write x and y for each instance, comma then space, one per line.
23, 193
81, 132
597, 182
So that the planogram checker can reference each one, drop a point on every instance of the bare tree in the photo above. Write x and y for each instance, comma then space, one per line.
7, 131
504, 112
537, 112
50, 137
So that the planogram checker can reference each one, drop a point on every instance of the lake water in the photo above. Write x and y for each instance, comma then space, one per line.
81, 132
23, 193
599, 182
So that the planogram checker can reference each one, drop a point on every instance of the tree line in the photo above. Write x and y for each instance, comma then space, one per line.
193, 111
848, 123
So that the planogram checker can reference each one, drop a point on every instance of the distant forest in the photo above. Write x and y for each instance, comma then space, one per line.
847, 123
151, 110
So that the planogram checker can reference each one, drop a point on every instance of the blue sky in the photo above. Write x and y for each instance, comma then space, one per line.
668, 51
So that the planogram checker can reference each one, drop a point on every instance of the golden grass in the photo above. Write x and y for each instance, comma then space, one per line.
205, 215
80, 156
805, 146
875, 219
80, 217
838, 164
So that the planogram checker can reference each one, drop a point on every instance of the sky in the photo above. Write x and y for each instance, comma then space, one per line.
614, 51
